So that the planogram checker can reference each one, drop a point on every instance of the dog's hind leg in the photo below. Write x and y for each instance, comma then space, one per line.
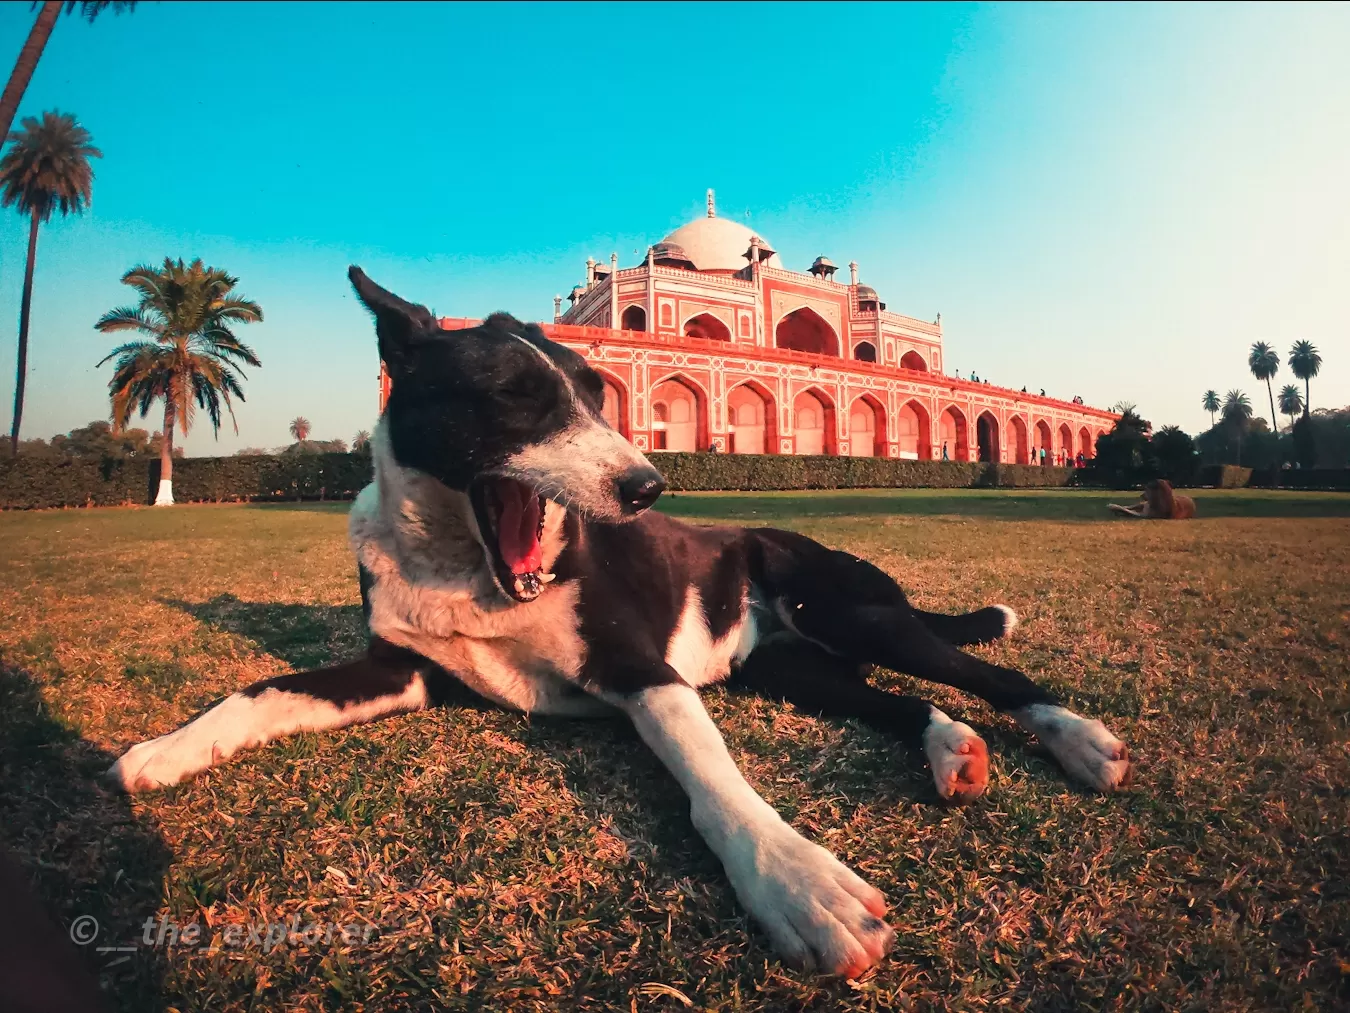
388, 680
854, 610
813, 680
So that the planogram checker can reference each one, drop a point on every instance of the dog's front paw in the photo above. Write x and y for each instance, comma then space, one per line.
959, 758
1083, 746
158, 763
818, 912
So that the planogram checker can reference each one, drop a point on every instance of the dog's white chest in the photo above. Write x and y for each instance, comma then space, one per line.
694, 653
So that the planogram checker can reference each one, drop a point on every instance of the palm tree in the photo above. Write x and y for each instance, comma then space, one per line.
1264, 362
192, 358
1210, 403
1237, 412
361, 440
300, 428
46, 169
37, 42
1305, 362
1291, 402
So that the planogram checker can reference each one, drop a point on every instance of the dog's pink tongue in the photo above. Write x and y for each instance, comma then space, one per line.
517, 528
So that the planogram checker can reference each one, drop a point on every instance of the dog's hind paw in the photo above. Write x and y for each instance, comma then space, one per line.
959, 758
1083, 746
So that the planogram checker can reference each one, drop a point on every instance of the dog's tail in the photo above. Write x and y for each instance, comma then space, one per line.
977, 627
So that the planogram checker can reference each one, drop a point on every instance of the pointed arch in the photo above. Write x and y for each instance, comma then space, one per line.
805, 330
813, 423
752, 419
913, 360
952, 431
1044, 441
707, 326
679, 414
1085, 443
634, 318
915, 432
987, 440
865, 351
1017, 439
615, 411
1064, 451
866, 427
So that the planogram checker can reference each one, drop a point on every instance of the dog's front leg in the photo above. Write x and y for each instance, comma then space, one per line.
818, 912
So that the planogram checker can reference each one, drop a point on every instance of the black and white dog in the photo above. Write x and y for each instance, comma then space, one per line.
505, 542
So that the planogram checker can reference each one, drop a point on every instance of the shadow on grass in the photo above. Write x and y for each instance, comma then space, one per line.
79, 846
303, 636
1055, 505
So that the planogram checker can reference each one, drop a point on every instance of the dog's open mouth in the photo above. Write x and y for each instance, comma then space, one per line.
511, 517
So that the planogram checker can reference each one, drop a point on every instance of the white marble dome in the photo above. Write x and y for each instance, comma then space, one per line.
717, 244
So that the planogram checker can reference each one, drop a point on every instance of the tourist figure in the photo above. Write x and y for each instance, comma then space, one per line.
944, 451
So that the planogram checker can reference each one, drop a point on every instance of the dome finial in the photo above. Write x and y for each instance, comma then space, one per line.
712, 204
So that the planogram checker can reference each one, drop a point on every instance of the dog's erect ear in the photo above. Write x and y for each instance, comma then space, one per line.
395, 320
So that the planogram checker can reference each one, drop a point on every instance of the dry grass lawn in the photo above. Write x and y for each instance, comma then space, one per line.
492, 862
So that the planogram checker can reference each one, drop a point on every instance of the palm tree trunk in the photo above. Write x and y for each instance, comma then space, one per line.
21, 370
1274, 419
26, 64
1307, 396
164, 497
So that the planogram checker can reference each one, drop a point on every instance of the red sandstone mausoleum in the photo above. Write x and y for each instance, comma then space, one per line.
712, 343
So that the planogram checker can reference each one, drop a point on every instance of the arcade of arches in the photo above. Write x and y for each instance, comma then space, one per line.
678, 424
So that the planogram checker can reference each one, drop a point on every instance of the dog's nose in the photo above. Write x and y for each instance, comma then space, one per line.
639, 489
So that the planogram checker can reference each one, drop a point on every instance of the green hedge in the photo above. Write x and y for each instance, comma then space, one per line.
1225, 476
264, 477
1303, 478
28, 483
747, 472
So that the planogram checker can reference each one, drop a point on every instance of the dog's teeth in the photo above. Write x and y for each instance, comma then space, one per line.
547, 577
520, 586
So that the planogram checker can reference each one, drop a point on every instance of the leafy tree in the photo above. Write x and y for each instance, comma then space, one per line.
1173, 455
1264, 362
1122, 454
37, 42
1210, 403
251, 452
1291, 401
1305, 363
300, 428
361, 442
1237, 416
46, 169
192, 358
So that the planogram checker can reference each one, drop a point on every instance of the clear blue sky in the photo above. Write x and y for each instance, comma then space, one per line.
1111, 201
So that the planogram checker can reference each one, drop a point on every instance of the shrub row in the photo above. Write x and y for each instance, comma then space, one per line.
749, 473
29, 483
1225, 476
1303, 478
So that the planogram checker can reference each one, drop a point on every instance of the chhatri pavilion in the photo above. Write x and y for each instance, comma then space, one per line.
711, 342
